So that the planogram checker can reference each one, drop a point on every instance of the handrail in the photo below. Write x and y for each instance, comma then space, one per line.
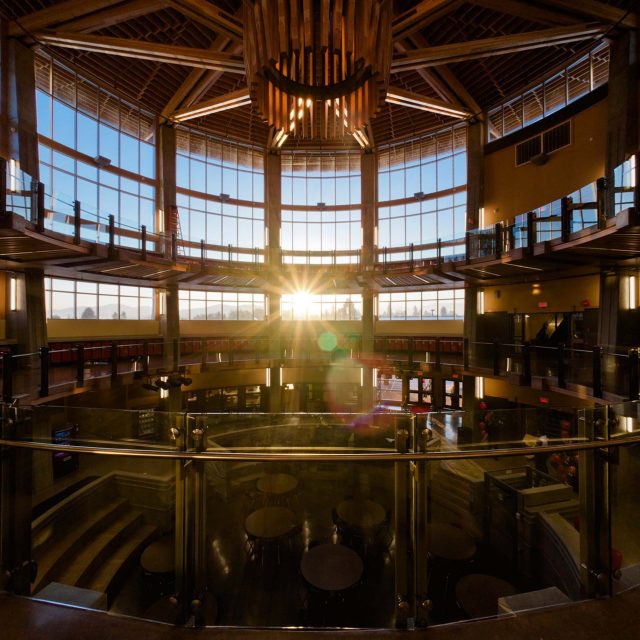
331, 457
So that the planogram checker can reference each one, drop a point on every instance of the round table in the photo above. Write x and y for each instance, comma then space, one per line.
449, 543
159, 556
331, 567
361, 512
269, 523
277, 483
477, 594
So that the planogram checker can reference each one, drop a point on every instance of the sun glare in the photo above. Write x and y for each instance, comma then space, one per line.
301, 304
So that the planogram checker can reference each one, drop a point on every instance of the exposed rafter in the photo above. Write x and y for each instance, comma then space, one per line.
595, 10
526, 10
231, 100
402, 97
443, 76
115, 15
472, 49
210, 16
156, 52
420, 16
58, 14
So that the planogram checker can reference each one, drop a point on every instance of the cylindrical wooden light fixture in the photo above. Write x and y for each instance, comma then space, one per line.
317, 68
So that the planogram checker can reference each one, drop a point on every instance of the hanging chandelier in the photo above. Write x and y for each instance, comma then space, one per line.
317, 68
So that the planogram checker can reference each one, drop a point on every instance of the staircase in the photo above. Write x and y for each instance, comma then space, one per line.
95, 548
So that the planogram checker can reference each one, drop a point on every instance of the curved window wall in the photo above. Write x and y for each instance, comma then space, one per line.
321, 198
96, 149
220, 197
302, 306
79, 300
221, 305
422, 196
443, 304
565, 86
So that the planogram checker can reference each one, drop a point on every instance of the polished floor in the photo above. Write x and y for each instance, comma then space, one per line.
616, 618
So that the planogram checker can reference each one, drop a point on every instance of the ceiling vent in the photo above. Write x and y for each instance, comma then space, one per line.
537, 149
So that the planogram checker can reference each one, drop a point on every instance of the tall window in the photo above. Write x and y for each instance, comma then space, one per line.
321, 198
79, 300
96, 149
221, 305
341, 306
443, 304
220, 197
422, 195
560, 89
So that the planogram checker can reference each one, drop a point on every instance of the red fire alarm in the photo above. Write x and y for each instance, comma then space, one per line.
586, 303
543, 305
543, 400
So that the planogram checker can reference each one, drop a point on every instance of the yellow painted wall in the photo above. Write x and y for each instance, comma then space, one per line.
511, 190
3, 329
101, 329
419, 328
561, 295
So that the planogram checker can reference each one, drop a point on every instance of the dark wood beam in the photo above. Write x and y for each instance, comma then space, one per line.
446, 78
526, 10
115, 15
473, 49
211, 16
57, 14
594, 10
420, 16
170, 54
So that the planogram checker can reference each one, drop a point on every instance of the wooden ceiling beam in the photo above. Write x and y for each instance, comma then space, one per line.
170, 54
526, 10
473, 49
57, 14
594, 10
440, 88
420, 16
402, 97
444, 76
227, 101
211, 16
115, 15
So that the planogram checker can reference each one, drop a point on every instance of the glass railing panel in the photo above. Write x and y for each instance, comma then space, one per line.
300, 543
19, 191
501, 535
579, 367
26, 376
103, 428
615, 372
94, 531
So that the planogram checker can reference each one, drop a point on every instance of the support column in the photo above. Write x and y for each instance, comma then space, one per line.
369, 181
275, 352
273, 209
623, 137
609, 310
21, 137
166, 181
28, 323
170, 330
367, 355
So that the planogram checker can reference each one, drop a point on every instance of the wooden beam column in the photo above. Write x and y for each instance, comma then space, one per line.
623, 137
369, 182
166, 176
21, 130
273, 258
